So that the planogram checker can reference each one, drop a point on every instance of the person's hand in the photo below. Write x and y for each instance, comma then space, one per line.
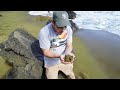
62, 59
71, 54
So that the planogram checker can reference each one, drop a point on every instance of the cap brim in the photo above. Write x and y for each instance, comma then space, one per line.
63, 23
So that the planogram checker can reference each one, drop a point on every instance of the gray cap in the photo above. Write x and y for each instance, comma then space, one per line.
61, 18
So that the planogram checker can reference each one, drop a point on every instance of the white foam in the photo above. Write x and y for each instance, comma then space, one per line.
43, 13
99, 20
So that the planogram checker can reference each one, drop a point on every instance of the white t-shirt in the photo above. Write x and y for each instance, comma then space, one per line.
49, 39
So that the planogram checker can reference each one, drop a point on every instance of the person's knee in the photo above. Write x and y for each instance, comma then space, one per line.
51, 73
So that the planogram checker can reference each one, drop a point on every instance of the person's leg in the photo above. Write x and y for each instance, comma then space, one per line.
52, 72
67, 69
72, 76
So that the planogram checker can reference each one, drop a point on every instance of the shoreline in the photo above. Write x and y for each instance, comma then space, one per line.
104, 47
84, 62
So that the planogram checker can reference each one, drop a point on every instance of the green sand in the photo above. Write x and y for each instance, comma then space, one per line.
84, 63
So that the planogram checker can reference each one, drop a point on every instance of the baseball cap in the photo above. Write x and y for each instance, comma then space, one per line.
61, 18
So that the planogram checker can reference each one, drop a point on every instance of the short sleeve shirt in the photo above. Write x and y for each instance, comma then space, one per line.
49, 39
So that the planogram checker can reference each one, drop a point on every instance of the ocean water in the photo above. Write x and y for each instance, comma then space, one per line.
105, 48
99, 20
94, 20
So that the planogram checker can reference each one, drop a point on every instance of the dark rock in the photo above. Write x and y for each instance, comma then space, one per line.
49, 21
73, 26
72, 14
23, 53
1, 15
1, 46
82, 75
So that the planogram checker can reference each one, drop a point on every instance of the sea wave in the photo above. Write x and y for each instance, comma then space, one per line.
94, 20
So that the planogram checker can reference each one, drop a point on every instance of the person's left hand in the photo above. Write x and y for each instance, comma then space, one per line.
71, 54
62, 59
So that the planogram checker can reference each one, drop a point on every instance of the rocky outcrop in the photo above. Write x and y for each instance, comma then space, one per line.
72, 14
23, 53
73, 26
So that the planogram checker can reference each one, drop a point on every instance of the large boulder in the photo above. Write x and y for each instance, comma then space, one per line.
72, 14
74, 26
23, 53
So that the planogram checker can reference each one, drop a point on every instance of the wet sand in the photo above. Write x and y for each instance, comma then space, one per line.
105, 48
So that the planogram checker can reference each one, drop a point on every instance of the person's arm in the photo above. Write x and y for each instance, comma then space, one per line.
68, 48
50, 54
45, 44
68, 51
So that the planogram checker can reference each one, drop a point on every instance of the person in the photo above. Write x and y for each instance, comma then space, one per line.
55, 40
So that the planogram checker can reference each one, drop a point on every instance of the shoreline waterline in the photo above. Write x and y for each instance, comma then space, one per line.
104, 47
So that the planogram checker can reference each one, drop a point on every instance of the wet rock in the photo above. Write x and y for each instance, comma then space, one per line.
1, 15
74, 26
82, 75
72, 14
23, 53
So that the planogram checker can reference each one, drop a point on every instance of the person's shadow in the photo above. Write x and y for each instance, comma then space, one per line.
37, 52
